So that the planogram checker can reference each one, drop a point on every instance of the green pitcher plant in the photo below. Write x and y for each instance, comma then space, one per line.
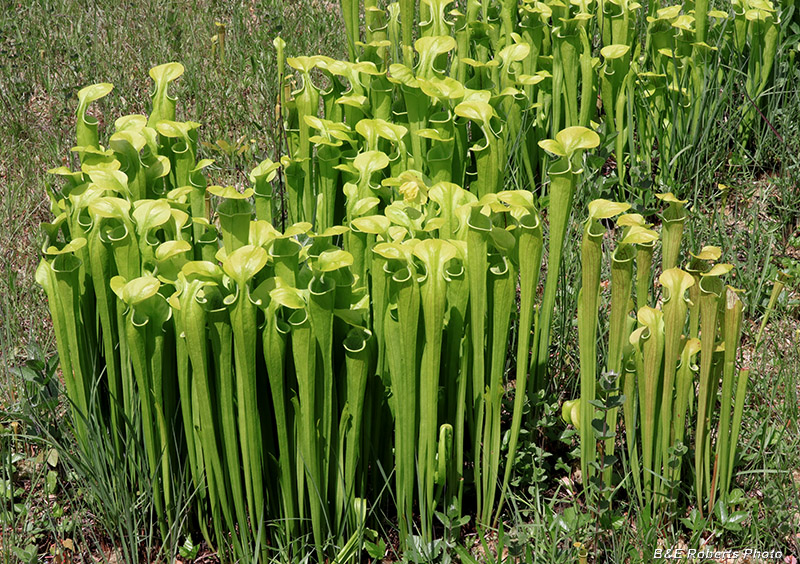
666, 356
271, 363
342, 321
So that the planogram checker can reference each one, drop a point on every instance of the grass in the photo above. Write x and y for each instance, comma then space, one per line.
78, 507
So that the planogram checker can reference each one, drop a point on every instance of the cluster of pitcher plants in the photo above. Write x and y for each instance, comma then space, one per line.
652, 359
355, 316
653, 81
